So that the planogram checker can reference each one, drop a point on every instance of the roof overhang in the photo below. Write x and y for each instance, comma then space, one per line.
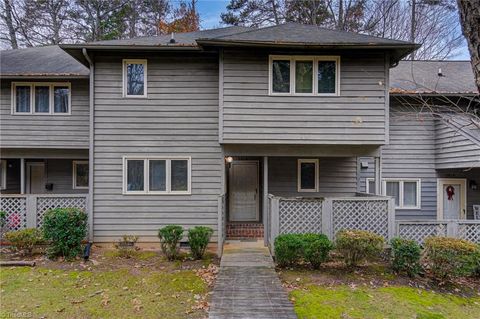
397, 51
75, 50
42, 76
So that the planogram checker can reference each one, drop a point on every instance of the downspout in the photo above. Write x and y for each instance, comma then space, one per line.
90, 144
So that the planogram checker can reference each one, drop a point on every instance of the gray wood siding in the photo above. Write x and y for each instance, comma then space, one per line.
250, 115
179, 118
453, 149
45, 131
337, 177
410, 154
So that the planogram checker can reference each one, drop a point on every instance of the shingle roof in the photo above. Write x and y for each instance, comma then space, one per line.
411, 77
187, 39
48, 61
296, 33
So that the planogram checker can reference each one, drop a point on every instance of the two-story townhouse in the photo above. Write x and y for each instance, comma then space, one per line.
44, 133
239, 113
431, 165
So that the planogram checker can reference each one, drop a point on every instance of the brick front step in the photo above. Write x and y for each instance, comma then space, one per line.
244, 230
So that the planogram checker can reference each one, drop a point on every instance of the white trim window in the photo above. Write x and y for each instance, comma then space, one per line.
304, 75
41, 98
307, 175
134, 78
157, 175
406, 192
80, 175
3, 174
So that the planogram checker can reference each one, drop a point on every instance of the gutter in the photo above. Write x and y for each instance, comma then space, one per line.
90, 143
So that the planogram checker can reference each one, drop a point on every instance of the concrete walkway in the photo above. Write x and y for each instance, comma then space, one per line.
247, 285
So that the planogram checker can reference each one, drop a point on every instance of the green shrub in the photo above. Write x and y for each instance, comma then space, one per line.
25, 239
198, 238
170, 237
65, 228
406, 256
450, 257
316, 248
288, 249
358, 245
3, 219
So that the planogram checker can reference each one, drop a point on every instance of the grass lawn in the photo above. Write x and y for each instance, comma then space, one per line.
376, 293
144, 287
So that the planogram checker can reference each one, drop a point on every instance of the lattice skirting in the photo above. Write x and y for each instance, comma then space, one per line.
16, 209
300, 217
420, 232
44, 204
369, 215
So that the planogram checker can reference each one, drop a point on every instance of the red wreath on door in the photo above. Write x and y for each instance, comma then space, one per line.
450, 192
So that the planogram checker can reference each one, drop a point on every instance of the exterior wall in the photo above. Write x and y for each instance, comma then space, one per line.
45, 131
250, 115
337, 177
179, 118
59, 172
410, 154
454, 149
415, 142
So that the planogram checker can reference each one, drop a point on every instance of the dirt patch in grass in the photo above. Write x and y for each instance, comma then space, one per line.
374, 291
145, 286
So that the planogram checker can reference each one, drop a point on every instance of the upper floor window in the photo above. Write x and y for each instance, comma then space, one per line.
406, 192
304, 75
41, 98
307, 172
154, 175
80, 174
135, 78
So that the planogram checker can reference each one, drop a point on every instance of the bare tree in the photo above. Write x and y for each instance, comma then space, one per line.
470, 20
7, 18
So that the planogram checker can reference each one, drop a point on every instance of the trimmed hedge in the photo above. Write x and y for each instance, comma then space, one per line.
290, 249
65, 228
406, 256
170, 237
450, 257
198, 239
358, 245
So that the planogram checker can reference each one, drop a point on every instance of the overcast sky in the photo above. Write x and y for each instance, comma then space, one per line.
210, 10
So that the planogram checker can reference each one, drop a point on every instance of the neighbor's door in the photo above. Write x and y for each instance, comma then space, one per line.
35, 178
243, 191
452, 198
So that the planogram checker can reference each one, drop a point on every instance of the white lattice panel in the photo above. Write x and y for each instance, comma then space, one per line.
371, 215
16, 209
469, 232
419, 232
44, 204
299, 217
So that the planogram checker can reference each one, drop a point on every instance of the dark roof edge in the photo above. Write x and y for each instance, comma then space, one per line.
306, 44
42, 76
128, 47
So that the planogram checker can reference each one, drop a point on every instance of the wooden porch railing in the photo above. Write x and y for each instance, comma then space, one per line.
27, 211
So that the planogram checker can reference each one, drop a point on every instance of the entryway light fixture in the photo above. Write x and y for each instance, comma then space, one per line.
229, 159
473, 185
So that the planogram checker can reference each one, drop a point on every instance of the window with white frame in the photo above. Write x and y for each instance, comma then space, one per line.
406, 192
3, 174
304, 75
41, 98
155, 175
307, 175
80, 174
134, 78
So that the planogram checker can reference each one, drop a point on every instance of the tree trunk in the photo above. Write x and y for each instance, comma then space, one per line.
470, 21
9, 22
